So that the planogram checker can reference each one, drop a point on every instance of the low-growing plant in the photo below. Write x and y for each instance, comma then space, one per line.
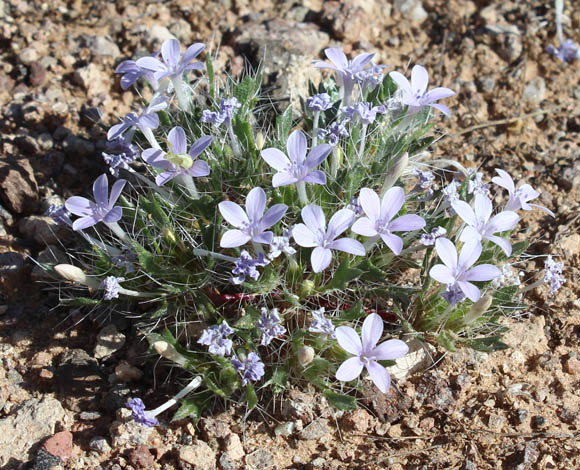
259, 241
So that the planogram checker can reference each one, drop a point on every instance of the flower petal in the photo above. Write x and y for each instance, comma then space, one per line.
349, 369
296, 147
419, 79
337, 57
283, 179
151, 63
314, 218
447, 252
264, 237
401, 82
392, 202
149, 121
483, 272
117, 130
101, 190
84, 222
437, 94
200, 145
273, 215
504, 244
470, 290
348, 245
370, 203
177, 140
504, 221
364, 227
79, 206
371, 332
348, 340
256, 204
233, 213
441, 107
464, 211
234, 238
407, 223
171, 52
192, 52
339, 222
390, 350
317, 155
199, 169
442, 273
470, 253
304, 236
116, 191
483, 208
114, 215
379, 376
394, 242
315, 177
164, 177
320, 259
361, 60
276, 159
504, 180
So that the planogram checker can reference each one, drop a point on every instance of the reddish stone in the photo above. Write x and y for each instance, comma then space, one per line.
141, 457
60, 445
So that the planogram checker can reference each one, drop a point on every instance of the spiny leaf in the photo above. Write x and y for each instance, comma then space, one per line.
340, 401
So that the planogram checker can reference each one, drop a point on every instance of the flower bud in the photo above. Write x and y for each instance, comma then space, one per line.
169, 236
477, 309
74, 274
395, 171
307, 289
168, 351
305, 355
259, 141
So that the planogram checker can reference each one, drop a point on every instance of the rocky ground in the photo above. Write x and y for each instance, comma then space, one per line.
63, 381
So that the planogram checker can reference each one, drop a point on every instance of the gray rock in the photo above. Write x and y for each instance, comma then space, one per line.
285, 429
103, 46
508, 40
129, 434
52, 254
109, 341
315, 430
261, 459
30, 422
78, 379
11, 264
46, 461
77, 147
535, 90
18, 187
43, 230
412, 10
28, 55
198, 456
487, 84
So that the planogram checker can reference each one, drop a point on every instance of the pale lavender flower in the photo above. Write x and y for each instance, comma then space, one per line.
111, 287
480, 224
426, 179
251, 370
269, 325
450, 192
297, 167
117, 162
567, 52
415, 94
428, 239
321, 324
102, 210
320, 102
476, 185
518, 198
119, 154
227, 110
252, 223
366, 113
316, 235
345, 69
174, 63
280, 245
178, 161
369, 78
132, 72
216, 337
141, 416
367, 353
456, 272
245, 266
354, 205
59, 214
148, 119
453, 294
552, 274
379, 217
126, 261
333, 133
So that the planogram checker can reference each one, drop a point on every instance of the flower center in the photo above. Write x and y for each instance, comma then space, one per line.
382, 226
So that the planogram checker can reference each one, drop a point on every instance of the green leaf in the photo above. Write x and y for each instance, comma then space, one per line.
340, 401
351, 314
316, 370
251, 396
210, 75
279, 379
371, 272
344, 274
81, 301
245, 91
489, 344
249, 320
504, 295
283, 125
186, 409
445, 340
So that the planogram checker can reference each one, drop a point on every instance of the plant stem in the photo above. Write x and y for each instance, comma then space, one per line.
187, 181
191, 386
363, 138
334, 162
202, 252
180, 93
315, 128
234, 140
148, 133
302, 196
120, 233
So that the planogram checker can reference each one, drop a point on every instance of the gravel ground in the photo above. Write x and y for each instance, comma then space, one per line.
61, 397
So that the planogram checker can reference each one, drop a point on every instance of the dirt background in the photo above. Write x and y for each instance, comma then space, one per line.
62, 385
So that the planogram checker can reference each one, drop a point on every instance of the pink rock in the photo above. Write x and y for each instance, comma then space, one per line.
60, 445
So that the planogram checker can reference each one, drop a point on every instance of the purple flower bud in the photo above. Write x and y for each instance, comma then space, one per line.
320, 102
429, 239
246, 266
269, 325
251, 370
333, 133
552, 275
476, 185
141, 416
281, 245
567, 52
59, 214
212, 117
366, 113
216, 338
321, 324
453, 294
111, 287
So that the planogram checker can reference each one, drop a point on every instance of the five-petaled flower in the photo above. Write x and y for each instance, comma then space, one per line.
346, 71
102, 210
269, 324
132, 72
177, 161
479, 224
297, 167
251, 370
415, 94
379, 214
367, 353
316, 234
148, 119
456, 272
252, 223
518, 198
174, 64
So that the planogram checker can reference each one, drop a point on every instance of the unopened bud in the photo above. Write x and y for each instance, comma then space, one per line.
168, 351
259, 141
169, 236
307, 289
478, 309
395, 171
74, 274
305, 355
